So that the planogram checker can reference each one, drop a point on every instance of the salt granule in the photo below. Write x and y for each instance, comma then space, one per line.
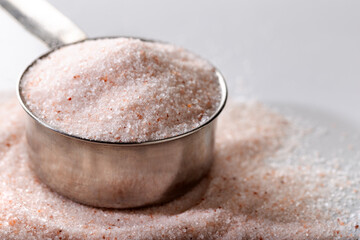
122, 90
256, 189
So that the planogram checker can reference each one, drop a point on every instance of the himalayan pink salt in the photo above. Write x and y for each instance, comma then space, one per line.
122, 90
248, 194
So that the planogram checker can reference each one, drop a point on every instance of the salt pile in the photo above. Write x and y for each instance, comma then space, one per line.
122, 90
257, 189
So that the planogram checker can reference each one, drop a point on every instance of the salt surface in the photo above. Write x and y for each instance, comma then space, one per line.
256, 190
122, 90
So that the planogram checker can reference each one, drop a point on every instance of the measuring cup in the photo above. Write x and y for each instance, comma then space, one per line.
107, 174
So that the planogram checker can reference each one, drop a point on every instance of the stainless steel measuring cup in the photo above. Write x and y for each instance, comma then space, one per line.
104, 174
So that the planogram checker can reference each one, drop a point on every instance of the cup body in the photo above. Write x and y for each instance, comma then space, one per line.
119, 175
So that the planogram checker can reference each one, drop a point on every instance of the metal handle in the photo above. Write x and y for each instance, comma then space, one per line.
44, 21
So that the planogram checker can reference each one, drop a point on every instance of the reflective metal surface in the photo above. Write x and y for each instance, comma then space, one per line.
118, 176
44, 21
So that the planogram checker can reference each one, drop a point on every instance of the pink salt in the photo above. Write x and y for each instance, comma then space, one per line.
244, 196
122, 90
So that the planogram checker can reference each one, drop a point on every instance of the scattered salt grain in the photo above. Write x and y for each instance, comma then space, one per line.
257, 189
122, 90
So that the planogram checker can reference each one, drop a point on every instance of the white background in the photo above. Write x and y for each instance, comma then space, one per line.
290, 52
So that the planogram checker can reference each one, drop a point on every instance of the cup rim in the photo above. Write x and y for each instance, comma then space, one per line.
222, 83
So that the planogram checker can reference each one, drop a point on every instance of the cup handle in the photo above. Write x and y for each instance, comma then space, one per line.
44, 21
